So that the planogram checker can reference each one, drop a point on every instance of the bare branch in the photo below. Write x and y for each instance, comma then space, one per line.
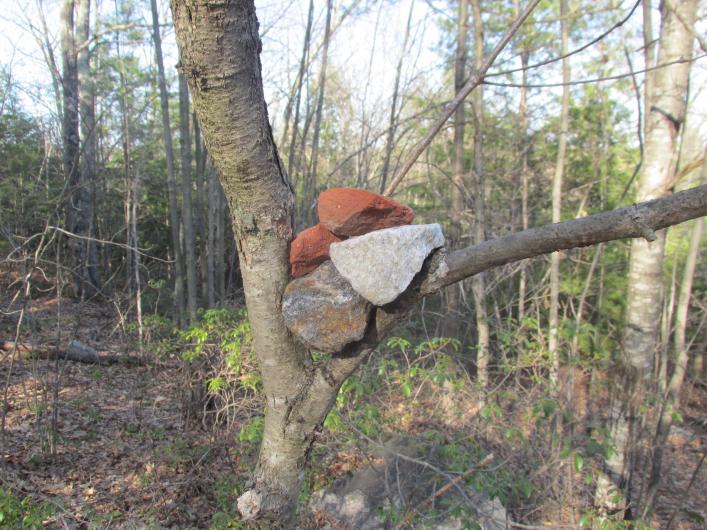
640, 220
475, 80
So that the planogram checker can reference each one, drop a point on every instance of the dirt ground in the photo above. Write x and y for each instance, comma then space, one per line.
124, 457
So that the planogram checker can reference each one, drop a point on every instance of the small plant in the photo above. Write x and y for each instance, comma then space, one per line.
22, 514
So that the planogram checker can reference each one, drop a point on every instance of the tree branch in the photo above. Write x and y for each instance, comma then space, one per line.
640, 220
475, 80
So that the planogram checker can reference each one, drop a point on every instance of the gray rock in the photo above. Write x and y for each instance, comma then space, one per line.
381, 264
323, 311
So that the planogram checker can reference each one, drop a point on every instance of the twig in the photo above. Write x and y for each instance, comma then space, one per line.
475, 80
443, 490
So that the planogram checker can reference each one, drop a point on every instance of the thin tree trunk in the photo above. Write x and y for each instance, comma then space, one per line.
453, 318
557, 197
320, 103
639, 342
201, 206
300, 84
393, 123
135, 204
478, 283
86, 194
187, 221
524, 176
179, 301
70, 140
211, 238
648, 60
672, 401
362, 153
220, 249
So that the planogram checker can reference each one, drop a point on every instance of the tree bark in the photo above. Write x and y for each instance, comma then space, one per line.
187, 220
672, 401
75, 208
478, 283
86, 192
667, 113
300, 84
453, 318
179, 301
557, 198
393, 121
320, 105
524, 177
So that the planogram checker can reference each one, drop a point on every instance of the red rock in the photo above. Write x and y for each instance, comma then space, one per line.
353, 212
310, 249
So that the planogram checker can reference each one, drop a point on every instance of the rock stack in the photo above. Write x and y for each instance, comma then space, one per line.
374, 252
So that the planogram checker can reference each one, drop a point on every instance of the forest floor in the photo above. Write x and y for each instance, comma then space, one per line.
108, 446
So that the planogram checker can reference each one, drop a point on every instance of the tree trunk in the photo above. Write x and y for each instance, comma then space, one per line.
320, 105
667, 112
171, 180
223, 69
524, 170
478, 284
201, 207
70, 141
300, 84
187, 221
453, 318
557, 198
392, 126
672, 401
86, 193
211, 237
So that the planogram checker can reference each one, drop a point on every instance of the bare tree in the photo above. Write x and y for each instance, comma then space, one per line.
667, 112
187, 222
557, 195
478, 284
458, 187
171, 180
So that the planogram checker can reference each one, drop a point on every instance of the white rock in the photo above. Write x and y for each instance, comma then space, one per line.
381, 264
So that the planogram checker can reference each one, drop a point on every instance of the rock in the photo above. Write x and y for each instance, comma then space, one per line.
380, 265
323, 311
310, 249
353, 212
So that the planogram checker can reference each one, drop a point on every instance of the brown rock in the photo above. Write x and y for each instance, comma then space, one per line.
353, 212
310, 249
323, 311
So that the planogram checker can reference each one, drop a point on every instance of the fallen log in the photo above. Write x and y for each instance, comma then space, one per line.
76, 351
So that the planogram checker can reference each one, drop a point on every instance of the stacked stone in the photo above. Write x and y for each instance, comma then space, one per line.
374, 253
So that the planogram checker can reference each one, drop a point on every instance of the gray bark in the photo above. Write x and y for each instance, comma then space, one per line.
320, 104
680, 348
300, 83
478, 284
524, 171
557, 196
179, 301
187, 221
393, 121
75, 208
639, 341
86, 192
452, 324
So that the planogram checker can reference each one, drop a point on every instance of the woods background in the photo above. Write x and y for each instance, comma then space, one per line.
571, 371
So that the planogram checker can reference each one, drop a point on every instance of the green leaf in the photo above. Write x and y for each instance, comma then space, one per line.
578, 462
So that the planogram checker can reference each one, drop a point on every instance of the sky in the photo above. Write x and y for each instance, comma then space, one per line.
364, 52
